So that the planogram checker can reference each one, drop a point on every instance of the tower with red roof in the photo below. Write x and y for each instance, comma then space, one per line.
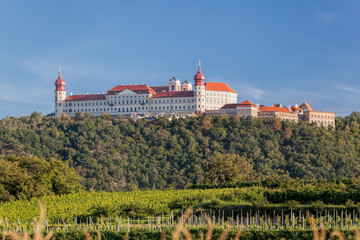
199, 91
60, 95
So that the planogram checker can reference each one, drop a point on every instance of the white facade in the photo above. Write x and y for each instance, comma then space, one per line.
217, 99
176, 98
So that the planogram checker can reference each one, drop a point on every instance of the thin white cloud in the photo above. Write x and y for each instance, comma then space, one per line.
25, 94
349, 89
243, 89
325, 17
252, 91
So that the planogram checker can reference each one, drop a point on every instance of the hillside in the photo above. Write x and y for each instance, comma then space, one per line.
111, 154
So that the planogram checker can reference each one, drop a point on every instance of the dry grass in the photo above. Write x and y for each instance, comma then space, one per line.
37, 229
180, 228
337, 234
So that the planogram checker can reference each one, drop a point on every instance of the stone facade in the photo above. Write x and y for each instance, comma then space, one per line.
293, 113
318, 117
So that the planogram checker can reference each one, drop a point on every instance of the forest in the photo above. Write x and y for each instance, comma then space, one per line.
103, 153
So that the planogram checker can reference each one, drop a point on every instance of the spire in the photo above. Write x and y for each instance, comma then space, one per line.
60, 83
199, 77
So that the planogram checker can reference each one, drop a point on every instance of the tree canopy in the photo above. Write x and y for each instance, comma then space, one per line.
27, 177
114, 154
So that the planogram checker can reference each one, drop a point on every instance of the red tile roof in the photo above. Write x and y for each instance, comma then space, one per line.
229, 106
135, 88
295, 108
245, 103
160, 88
86, 97
273, 109
215, 86
306, 106
174, 94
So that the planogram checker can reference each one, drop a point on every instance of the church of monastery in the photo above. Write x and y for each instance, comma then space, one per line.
178, 99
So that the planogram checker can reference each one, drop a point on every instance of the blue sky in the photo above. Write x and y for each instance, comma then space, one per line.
276, 51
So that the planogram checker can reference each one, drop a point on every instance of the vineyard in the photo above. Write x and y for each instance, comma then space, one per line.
251, 225
141, 204
135, 203
261, 210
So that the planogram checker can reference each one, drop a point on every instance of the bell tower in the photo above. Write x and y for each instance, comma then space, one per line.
199, 91
60, 95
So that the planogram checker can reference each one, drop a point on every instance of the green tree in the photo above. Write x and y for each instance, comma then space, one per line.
227, 168
27, 177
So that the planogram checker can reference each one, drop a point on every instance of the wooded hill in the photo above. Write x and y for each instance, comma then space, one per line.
113, 154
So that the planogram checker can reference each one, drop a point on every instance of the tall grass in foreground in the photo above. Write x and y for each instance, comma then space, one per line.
180, 230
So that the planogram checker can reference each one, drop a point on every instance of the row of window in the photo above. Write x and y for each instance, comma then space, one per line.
131, 96
172, 101
244, 110
214, 101
84, 104
215, 95
172, 107
108, 109
128, 102
321, 116
322, 121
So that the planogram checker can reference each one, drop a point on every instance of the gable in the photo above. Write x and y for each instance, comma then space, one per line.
126, 91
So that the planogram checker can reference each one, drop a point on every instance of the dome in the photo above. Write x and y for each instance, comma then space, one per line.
60, 83
199, 75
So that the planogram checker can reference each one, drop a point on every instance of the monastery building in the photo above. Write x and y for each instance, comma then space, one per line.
180, 99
